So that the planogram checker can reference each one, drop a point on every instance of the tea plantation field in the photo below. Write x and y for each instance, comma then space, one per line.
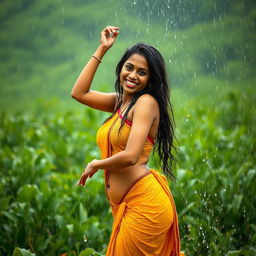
44, 212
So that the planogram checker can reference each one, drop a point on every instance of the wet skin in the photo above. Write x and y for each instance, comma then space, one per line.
134, 77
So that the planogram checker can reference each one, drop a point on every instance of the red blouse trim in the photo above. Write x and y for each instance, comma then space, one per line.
129, 123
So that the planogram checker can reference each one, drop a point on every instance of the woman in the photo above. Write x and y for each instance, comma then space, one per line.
145, 218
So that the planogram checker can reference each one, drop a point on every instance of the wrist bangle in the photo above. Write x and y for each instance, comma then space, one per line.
97, 58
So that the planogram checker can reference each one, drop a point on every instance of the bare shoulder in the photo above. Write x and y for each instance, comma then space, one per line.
147, 101
146, 106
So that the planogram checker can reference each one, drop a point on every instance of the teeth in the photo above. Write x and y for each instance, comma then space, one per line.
130, 83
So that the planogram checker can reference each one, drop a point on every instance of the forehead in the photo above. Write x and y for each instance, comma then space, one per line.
138, 61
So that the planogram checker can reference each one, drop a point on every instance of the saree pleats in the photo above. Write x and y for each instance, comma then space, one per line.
145, 222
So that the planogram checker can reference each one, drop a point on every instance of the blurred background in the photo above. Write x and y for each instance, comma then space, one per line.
208, 46
46, 137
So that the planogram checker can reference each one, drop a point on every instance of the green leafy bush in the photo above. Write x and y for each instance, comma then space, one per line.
43, 210
217, 166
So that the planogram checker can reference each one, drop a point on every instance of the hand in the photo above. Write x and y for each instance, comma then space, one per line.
108, 36
89, 171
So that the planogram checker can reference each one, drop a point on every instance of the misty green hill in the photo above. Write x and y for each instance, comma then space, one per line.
208, 46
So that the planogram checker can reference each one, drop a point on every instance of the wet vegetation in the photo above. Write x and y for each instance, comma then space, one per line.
43, 209
46, 137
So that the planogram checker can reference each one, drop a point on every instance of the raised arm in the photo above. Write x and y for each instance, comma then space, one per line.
81, 89
145, 112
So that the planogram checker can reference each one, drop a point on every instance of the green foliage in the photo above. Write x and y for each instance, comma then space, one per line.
42, 209
22, 252
89, 252
215, 175
209, 48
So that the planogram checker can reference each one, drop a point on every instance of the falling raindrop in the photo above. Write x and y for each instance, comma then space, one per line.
85, 239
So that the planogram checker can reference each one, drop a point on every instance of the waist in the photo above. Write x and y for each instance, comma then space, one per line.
119, 181
129, 173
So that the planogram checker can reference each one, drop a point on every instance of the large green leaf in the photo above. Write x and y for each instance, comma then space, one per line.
27, 192
22, 252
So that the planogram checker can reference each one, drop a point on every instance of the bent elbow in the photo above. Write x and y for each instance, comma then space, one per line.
76, 96
73, 95
79, 96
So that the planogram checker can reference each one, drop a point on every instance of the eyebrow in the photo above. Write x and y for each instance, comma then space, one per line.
139, 68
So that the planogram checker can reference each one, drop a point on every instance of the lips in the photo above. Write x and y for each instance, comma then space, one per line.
130, 84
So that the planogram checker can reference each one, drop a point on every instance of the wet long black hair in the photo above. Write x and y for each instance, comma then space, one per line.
159, 89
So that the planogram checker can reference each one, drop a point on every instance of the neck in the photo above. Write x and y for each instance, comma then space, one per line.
126, 99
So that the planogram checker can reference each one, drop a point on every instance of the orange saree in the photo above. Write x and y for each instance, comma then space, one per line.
145, 220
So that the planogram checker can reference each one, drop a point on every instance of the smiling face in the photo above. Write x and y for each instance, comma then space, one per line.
135, 74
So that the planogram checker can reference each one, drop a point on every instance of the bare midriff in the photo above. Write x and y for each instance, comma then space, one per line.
120, 181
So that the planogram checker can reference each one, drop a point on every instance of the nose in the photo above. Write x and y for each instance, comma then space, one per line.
133, 75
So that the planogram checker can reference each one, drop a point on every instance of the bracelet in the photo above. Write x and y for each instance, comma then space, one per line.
97, 58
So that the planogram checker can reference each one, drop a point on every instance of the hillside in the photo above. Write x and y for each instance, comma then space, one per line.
44, 45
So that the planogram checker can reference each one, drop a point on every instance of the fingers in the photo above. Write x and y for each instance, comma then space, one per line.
82, 180
92, 174
89, 171
115, 34
111, 31
114, 31
84, 177
108, 36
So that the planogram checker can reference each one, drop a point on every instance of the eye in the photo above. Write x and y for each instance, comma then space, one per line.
142, 73
128, 67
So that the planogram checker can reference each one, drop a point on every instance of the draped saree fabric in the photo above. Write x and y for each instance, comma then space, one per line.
145, 220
